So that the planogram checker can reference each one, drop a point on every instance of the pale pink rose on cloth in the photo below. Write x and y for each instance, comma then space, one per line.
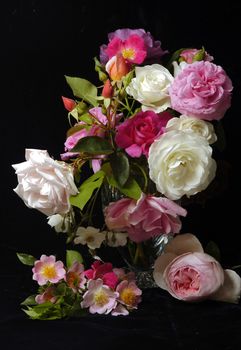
136, 134
148, 217
202, 90
188, 274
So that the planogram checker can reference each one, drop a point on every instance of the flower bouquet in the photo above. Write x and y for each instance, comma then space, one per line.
141, 143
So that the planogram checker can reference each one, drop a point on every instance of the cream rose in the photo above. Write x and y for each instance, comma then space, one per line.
193, 125
150, 87
181, 164
44, 183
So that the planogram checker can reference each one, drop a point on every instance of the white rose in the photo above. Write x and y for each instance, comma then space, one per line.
181, 164
193, 125
150, 87
44, 183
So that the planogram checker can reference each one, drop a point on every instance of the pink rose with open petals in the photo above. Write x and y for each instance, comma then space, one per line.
188, 274
148, 217
137, 134
202, 90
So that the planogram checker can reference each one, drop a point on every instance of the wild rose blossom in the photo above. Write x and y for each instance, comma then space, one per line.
75, 276
44, 183
47, 295
151, 47
148, 217
48, 269
136, 134
188, 274
129, 294
202, 90
103, 271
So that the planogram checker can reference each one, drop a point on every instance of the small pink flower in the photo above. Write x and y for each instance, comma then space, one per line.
69, 104
47, 295
103, 271
122, 275
148, 217
47, 269
75, 277
136, 134
202, 90
188, 274
99, 298
188, 55
129, 294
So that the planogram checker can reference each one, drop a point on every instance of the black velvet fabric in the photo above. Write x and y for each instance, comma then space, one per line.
41, 41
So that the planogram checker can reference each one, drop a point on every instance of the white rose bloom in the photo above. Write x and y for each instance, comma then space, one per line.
193, 125
44, 183
116, 239
150, 87
181, 164
90, 236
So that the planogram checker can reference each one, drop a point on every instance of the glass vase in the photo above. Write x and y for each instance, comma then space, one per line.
137, 257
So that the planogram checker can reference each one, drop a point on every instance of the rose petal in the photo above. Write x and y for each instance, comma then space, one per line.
159, 267
231, 289
184, 243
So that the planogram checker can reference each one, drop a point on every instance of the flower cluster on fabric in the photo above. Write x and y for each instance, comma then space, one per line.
147, 131
65, 290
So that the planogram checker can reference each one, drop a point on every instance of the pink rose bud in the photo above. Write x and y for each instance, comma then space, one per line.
117, 67
107, 91
69, 104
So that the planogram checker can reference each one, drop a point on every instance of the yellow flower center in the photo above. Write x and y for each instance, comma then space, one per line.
128, 296
128, 53
48, 271
100, 298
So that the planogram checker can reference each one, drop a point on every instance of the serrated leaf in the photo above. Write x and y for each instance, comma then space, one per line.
93, 145
26, 259
72, 256
29, 300
120, 167
83, 88
86, 189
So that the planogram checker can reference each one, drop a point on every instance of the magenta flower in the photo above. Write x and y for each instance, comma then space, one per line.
103, 271
148, 217
75, 276
151, 47
201, 90
136, 134
129, 294
99, 298
47, 295
47, 269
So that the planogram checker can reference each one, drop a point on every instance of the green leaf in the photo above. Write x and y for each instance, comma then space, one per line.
120, 167
72, 256
84, 89
93, 145
75, 129
87, 188
199, 56
26, 259
45, 311
100, 69
86, 118
213, 250
130, 189
29, 300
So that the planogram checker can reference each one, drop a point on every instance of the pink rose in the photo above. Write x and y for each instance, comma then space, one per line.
188, 274
202, 90
136, 134
188, 55
148, 217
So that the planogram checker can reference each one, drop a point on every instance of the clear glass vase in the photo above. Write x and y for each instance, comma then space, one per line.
137, 257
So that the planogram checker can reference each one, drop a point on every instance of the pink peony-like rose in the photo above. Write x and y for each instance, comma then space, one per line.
188, 274
136, 134
148, 217
202, 90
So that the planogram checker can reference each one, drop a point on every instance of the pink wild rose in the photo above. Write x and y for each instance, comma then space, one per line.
136, 134
47, 295
202, 90
103, 271
75, 276
47, 269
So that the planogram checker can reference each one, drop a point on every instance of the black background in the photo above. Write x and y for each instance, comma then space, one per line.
41, 41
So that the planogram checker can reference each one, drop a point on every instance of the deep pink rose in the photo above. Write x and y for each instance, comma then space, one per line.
188, 274
148, 217
202, 90
136, 134
103, 271
153, 47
